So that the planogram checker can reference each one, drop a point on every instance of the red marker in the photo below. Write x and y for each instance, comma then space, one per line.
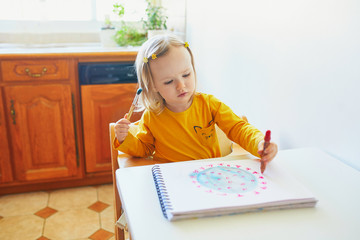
266, 143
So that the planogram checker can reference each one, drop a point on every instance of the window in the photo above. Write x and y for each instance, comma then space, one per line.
39, 17
73, 21
68, 10
46, 10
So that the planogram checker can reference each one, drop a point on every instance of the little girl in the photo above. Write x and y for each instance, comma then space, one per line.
178, 123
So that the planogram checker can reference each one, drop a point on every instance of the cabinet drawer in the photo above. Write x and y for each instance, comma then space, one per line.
29, 70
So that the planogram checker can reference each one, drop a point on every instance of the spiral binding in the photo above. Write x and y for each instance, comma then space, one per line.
164, 198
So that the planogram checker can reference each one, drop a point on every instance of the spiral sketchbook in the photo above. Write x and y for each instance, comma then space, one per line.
205, 188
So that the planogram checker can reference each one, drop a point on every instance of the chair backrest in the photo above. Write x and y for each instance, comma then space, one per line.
224, 142
114, 152
119, 233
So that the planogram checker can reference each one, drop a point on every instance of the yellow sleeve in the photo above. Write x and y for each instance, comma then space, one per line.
236, 129
139, 145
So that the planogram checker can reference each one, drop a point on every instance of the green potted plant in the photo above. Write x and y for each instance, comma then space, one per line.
127, 34
156, 19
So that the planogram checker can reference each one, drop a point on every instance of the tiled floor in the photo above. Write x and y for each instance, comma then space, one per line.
69, 214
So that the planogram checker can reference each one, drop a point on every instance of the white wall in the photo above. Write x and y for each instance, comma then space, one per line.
289, 66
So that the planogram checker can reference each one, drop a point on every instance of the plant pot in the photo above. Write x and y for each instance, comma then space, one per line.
107, 37
152, 33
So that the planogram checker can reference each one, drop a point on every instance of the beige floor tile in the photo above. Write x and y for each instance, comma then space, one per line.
23, 204
21, 227
72, 224
72, 198
108, 219
105, 194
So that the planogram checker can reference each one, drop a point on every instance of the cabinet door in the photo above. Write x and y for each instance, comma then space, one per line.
5, 166
101, 105
42, 131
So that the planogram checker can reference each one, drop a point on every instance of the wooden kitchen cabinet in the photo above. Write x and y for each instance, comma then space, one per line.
42, 131
38, 132
101, 105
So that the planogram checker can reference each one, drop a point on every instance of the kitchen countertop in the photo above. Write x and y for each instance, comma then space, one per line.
8, 49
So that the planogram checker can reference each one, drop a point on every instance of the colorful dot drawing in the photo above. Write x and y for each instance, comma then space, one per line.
224, 179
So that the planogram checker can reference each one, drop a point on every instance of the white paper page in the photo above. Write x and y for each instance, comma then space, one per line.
201, 185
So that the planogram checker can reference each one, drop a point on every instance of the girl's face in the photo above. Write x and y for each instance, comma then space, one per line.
174, 78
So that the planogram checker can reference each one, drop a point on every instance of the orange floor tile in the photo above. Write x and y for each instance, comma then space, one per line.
65, 214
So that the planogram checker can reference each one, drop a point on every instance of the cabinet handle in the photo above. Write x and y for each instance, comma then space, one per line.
36, 74
12, 112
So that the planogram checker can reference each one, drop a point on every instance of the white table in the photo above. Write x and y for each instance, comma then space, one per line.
336, 216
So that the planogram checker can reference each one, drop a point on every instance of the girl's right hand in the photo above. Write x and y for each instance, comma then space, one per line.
121, 129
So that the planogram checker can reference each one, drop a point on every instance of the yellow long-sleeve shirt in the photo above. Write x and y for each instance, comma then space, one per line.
190, 134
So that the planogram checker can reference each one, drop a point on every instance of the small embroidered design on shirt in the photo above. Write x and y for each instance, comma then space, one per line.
153, 56
186, 44
145, 60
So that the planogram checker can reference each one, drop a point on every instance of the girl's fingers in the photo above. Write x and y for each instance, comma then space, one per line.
270, 152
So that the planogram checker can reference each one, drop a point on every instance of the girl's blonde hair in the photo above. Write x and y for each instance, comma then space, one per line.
158, 45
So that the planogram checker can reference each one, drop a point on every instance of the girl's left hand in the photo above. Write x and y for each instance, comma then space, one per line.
270, 151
